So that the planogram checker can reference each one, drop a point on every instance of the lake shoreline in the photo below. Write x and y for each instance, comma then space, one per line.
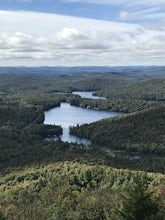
67, 115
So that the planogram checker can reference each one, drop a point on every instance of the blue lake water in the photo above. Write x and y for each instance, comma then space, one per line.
67, 115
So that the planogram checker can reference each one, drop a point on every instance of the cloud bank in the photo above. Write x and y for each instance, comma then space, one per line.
28, 38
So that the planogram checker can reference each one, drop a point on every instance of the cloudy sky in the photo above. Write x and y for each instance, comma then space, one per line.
82, 32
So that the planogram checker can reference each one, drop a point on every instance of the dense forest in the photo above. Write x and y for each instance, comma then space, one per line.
128, 132
124, 165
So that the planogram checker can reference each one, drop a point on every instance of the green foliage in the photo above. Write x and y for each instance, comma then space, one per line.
56, 210
116, 105
34, 187
138, 203
2, 217
69, 191
150, 89
142, 132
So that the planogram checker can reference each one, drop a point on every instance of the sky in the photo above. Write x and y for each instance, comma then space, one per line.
82, 32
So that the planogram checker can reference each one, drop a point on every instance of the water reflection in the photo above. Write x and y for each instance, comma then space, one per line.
66, 115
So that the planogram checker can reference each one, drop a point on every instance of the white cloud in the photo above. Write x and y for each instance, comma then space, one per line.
133, 10
121, 2
124, 15
105, 2
48, 24
28, 38
145, 14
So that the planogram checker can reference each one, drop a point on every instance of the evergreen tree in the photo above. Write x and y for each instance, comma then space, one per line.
138, 204
2, 217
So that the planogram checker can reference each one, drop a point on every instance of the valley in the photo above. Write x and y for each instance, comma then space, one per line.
52, 179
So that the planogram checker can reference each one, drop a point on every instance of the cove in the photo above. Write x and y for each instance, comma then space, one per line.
67, 115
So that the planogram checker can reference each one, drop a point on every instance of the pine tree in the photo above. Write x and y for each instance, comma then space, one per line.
138, 203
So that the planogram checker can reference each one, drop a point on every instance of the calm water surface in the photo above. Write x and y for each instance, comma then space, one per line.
67, 115
88, 95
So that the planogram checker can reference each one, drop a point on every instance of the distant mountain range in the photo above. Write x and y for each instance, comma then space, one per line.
133, 71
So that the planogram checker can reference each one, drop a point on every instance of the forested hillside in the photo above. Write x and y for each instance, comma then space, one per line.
76, 191
41, 178
152, 90
137, 132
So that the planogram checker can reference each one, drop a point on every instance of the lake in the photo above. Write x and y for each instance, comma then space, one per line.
67, 115
88, 95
